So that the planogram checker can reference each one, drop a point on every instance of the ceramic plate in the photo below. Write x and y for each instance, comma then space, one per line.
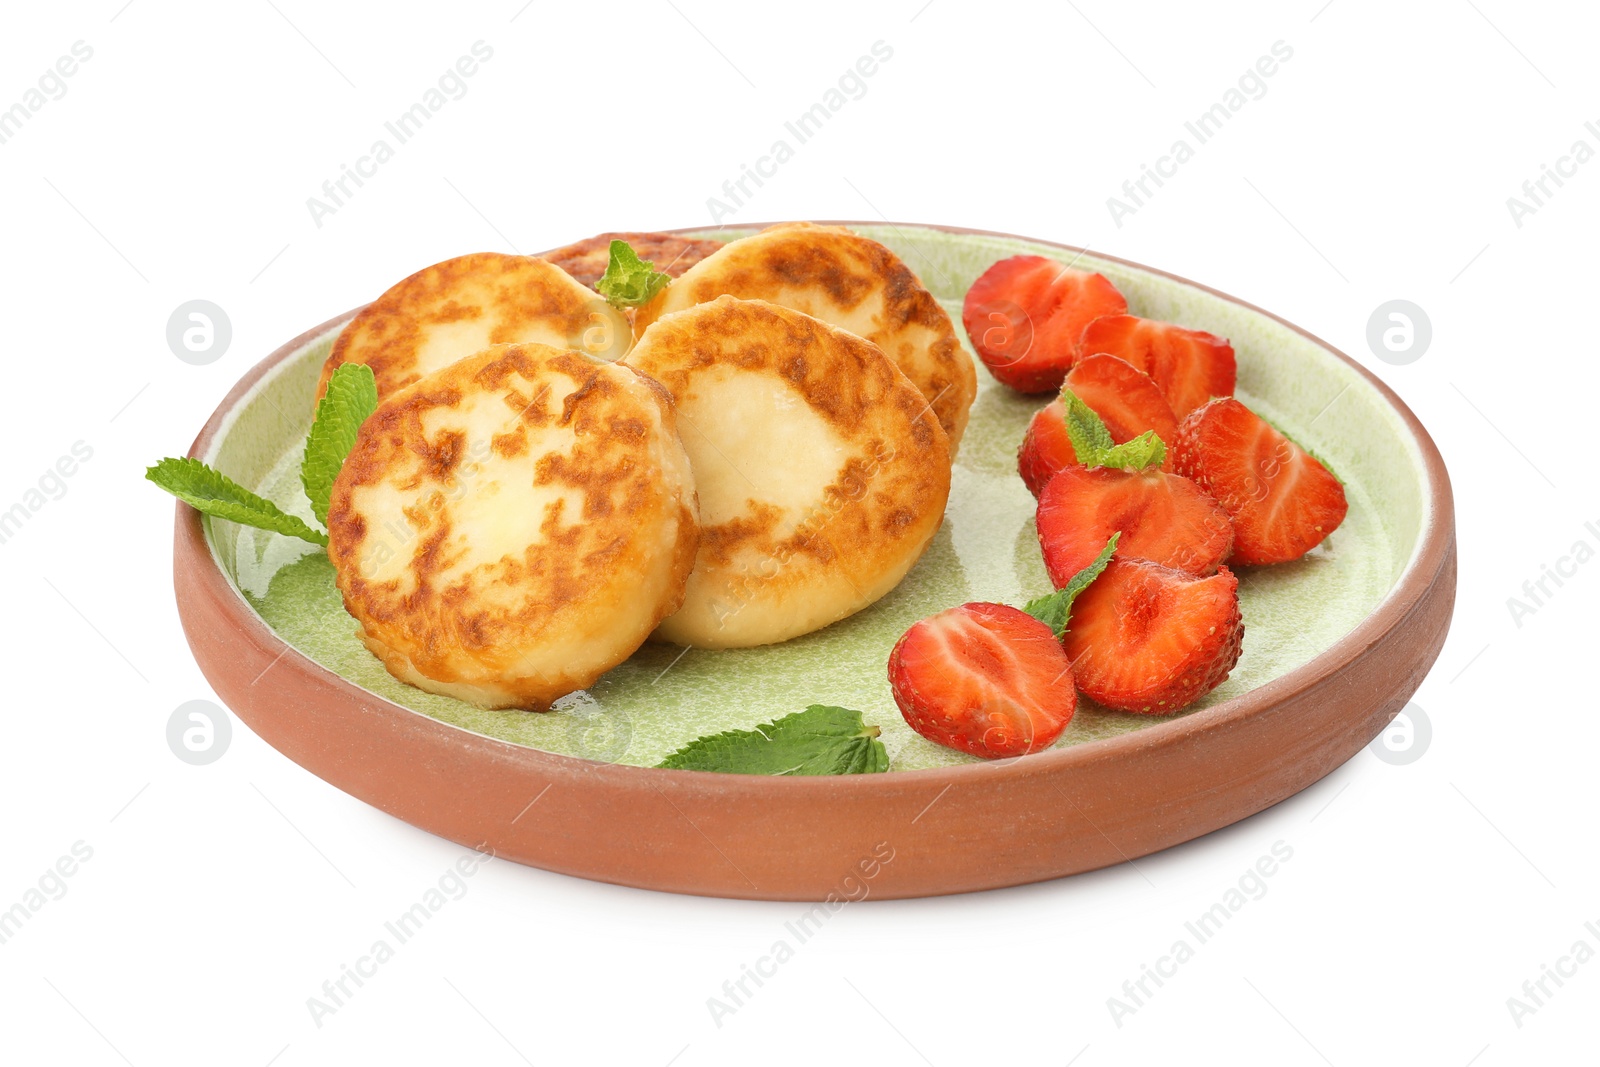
1334, 645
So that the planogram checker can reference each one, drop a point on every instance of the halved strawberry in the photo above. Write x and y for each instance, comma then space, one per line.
1161, 517
1281, 500
1025, 316
1151, 639
1190, 366
1046, 449
986, 679
1125, 397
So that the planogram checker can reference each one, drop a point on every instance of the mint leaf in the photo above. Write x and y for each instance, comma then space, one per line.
1055, 609
212, 493
1092, 443
629, 281
352, 395
819, 740
1146, 450
1088, 433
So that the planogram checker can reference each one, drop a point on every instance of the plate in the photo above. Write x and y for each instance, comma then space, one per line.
1334, 646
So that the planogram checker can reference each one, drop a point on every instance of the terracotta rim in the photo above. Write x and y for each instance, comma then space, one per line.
206, 596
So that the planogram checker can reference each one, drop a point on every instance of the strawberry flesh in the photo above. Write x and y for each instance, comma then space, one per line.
1161, 517
1046, 448
1025, 316
1149, 639
1189, 366
1282, 501
985, 679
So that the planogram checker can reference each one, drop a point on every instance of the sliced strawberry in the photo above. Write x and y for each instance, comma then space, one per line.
1046, 449
1281, 500
1190, 366
1026, 314
1125, 397
1151, 639
987, 679
1161, 517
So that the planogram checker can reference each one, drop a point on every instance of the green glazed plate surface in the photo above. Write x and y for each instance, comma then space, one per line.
665, 696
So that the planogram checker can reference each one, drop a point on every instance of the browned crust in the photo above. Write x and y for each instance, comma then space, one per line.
574, 567
386, 333
670, 253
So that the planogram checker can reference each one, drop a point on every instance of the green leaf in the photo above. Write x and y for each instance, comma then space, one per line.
819, 740
352, 395
1055, 609
212, 493
630, 281
1145, 451
1092, 443
1088, 433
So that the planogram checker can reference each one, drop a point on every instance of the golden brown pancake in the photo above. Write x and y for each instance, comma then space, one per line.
670, 253
510, 527
821, 472
847, 280
463, 305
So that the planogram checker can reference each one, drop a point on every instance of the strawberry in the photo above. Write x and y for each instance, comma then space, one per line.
1026, 314
1151, 639
1190, 366
1046, 449
1161, 517
1125, 397
986, 679
1282, 501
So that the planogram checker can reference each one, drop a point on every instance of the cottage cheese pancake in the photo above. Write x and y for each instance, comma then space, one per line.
847, 280
463, 305
821, 472
510, 527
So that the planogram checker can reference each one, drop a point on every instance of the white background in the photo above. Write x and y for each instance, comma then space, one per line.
1377, 166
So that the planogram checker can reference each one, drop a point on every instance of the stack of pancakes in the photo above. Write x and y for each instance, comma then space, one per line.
761, 450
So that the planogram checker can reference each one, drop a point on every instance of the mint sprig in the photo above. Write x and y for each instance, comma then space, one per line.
1092, 443
352, 395
213, 493
1055, 609
819, 740
629, 281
